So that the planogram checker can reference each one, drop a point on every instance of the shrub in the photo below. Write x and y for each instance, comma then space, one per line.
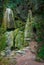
2, 39
2, 42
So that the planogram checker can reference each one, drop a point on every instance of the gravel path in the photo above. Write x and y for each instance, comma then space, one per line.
27, 59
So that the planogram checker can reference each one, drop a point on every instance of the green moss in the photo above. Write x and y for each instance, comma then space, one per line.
19, 40
15, 32
20, 24
2, 42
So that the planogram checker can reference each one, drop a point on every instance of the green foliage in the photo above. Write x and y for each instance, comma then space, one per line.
2, 39
2, 30
41, 52
2, 42
20, 25
39, 23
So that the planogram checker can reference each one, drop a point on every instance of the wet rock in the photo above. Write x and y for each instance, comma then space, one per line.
21, 52
9, 38
8, 19
7, 51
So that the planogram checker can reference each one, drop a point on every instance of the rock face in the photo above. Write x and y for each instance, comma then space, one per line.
28, 27
30, 32
9, 42
8, 19
19, 40
9, 38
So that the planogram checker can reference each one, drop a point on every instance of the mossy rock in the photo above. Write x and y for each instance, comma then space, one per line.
19, 40
15, 32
